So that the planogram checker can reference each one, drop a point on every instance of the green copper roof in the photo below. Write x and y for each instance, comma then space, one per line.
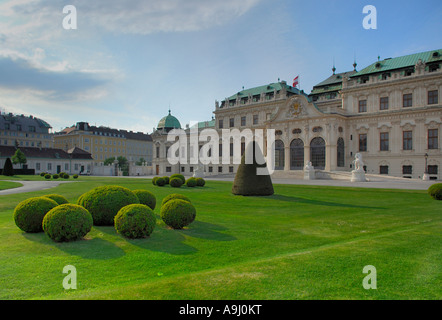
169, 122
401, 62
263, 89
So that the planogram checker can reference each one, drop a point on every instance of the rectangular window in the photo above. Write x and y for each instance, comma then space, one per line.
408, 100
243, 121
220, 151
76, 167
221, 124
433, 138
433, 97
232, 122
210, 169
255, 119
49, 166
383, 169
384, 103
220, 169
363, 106
407, 140
231, 169
191, 169
243, 148
362, 142
384, 138
158, 152
432, 169
231, 149
168, 169
66, 167
37, 166
407, 169
182, 169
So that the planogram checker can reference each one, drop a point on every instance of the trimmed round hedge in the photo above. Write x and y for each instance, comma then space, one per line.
154, 180
146, 197
104, 203
191, 182
47, 176
200, 182
160, 182
57, 198
174, 196
435, 191
135, 221
67, 222
175, 182
177, 175
166, 180
178, 213
29, 214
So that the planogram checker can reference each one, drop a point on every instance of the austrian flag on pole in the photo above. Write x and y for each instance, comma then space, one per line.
295, 81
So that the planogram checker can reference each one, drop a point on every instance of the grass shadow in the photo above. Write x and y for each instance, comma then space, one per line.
87, 248
280, 197
209, 231
165, 240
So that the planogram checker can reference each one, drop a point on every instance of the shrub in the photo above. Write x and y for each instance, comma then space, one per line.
67, 222
55, 176
191, 182
8, 170
247, 182
61, 174
166, 180
178, 213
42, 174
154, 181
75, 176
175, 182
135, 221
435, 191
47, 176
174, 196
104, 203
66, 176
200, 182
29, 214
57, 198
160, 182
177, 175
146, 197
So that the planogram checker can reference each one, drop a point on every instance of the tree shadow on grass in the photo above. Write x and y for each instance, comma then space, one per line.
87, 248
280, 197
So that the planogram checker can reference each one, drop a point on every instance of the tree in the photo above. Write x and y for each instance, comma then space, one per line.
140, 162
109, 161
8, 170
247, 182
19, 158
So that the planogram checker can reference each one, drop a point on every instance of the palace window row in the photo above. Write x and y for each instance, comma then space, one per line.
407, 101
407, 140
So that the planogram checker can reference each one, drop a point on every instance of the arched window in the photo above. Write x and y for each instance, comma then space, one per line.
341, 153
296, 154
317, 153
279, 155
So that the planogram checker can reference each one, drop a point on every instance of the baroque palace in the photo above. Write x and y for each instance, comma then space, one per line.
390, 112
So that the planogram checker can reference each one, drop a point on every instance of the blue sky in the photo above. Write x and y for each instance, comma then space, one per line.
128, 61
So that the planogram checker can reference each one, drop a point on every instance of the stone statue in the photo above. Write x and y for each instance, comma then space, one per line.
309, 171
199, 172
358, 174
359, 164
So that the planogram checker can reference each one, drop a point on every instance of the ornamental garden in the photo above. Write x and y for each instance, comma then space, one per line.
176, 238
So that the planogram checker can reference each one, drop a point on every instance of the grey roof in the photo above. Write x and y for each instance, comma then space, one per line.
45, 153
24, 123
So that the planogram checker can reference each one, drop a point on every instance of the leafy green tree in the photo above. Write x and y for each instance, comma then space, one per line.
19, 158
140, 162
109, 161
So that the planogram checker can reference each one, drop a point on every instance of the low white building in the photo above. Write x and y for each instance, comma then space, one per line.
50, 160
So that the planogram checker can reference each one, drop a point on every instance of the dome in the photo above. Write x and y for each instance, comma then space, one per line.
168, 123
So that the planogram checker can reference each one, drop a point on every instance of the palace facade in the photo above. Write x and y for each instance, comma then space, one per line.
390, 112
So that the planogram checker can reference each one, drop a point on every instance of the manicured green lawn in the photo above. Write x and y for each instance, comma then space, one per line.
9, 185
304, 242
